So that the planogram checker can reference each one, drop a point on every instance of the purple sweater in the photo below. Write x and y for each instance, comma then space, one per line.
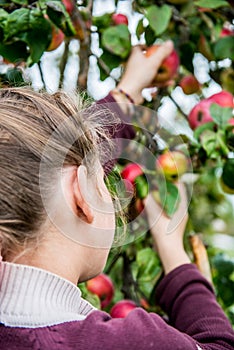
196, 322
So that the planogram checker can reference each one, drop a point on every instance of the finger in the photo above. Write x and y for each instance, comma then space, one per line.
163, 51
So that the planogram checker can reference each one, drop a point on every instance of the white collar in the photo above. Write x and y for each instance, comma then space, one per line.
31, 297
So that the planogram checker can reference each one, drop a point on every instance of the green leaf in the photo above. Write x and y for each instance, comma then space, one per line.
224, 48
221, 115
59, 16
140, 29
169, 197
17, 23
31, 27
212, 4
208, 142
150, 36
142, 186
186, 55
102, 22
106, 63
148, 269
3, 19
117, 40
15, 52
199, 130
159, 17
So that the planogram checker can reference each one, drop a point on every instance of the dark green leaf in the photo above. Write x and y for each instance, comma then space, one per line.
224, 48
140, 28
221, 115
59, 16
169, 197
150, 36
213, 4
117, 40
186, 55
159, 17
15, 52
102, 22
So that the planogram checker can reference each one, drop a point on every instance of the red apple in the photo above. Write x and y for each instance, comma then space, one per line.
103, 287
168, 68
69, 6
222, 98
200, 114
122, 308
131, 171
189, 84
119, 18
172, 164
226, 32
57, 38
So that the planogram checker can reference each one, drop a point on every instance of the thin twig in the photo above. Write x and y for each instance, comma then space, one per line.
41, 74
179, 108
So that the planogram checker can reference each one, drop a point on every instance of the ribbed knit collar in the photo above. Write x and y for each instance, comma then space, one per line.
32, 297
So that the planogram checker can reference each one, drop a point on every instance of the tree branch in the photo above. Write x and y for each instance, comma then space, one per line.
63, 61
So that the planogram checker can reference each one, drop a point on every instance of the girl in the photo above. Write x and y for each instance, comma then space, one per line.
57, 226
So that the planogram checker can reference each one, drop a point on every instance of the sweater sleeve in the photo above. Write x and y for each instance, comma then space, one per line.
125, 129
118, 127
197, 321
190, 303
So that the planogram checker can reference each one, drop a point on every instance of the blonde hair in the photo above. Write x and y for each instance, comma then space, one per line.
27, 121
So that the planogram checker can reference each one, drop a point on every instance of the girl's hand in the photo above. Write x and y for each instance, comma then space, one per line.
141, 70
168, 232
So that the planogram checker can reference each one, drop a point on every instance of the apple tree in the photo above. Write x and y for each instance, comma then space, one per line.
197, 81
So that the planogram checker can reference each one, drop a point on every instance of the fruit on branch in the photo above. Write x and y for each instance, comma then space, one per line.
122, 308
131, 171
172, 164
103, 287
200, 114
222, 98
69, 6
189, 84
226, 32
119, 18
168, 68
57, 38
226, 180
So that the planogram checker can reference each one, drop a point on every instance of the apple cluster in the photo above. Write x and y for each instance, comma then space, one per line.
103, 287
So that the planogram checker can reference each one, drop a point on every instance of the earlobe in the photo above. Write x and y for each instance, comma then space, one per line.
80, 188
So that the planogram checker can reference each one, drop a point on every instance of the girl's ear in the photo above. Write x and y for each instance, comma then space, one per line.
81, 198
